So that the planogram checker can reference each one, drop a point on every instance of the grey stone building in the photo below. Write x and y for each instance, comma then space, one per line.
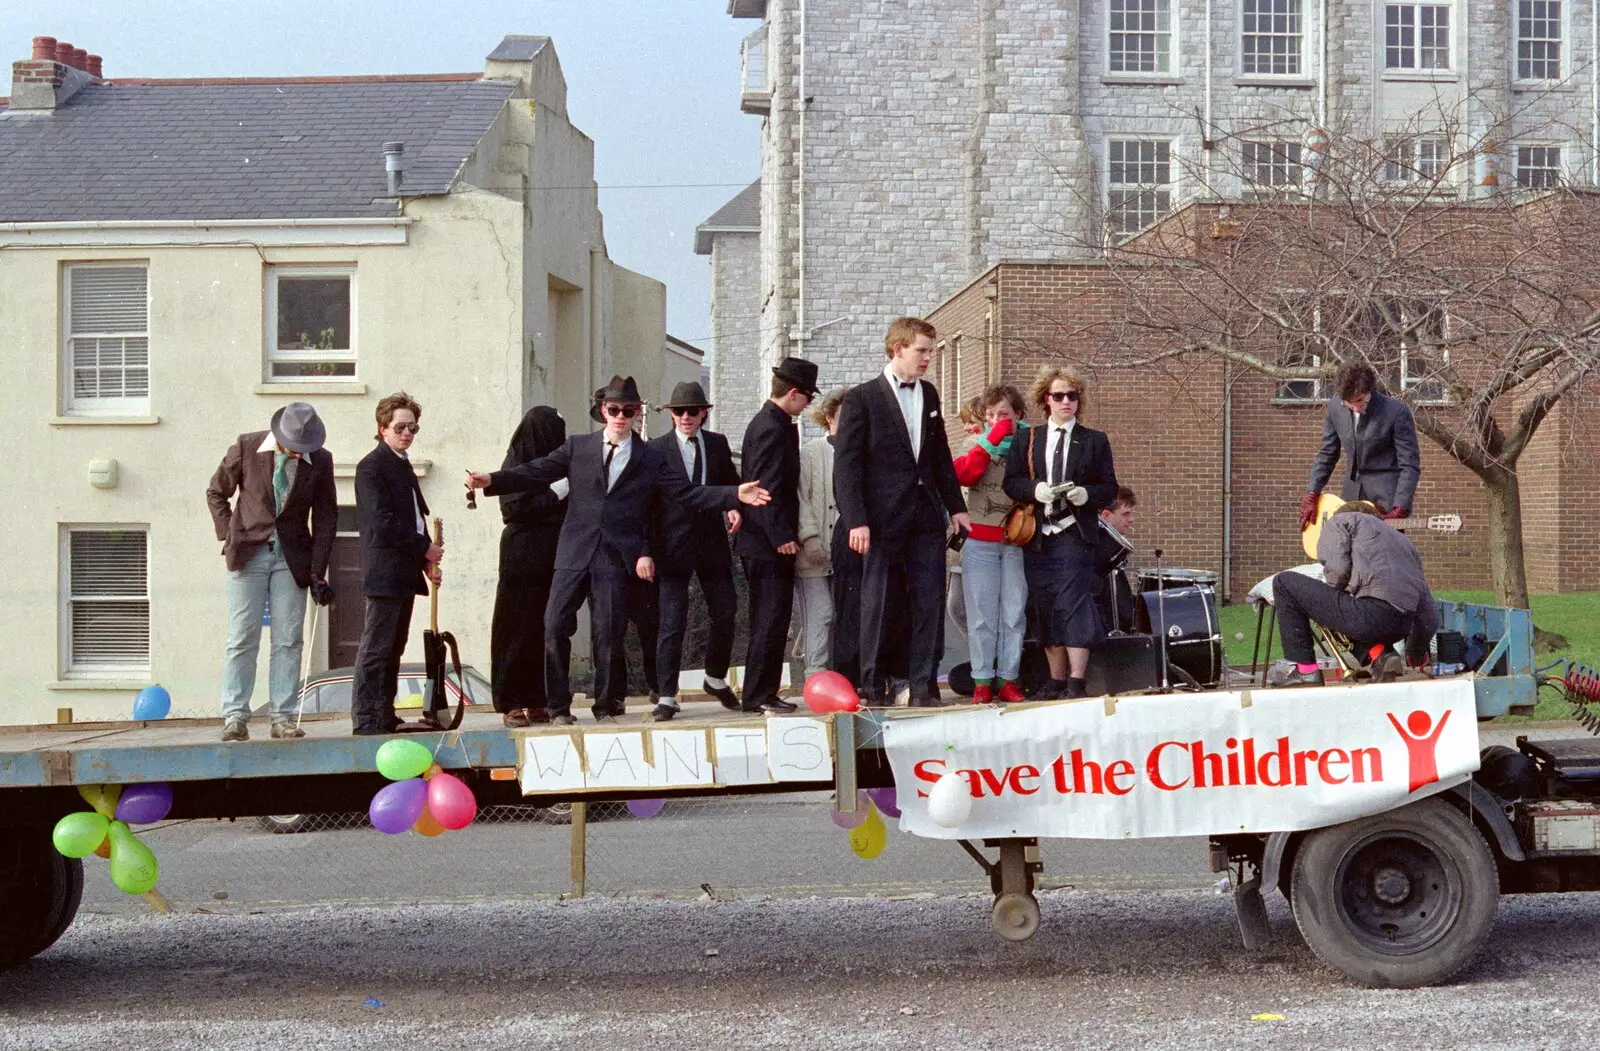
907, 145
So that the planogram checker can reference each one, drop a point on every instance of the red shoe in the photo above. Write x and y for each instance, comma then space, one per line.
1011, 693
982, 693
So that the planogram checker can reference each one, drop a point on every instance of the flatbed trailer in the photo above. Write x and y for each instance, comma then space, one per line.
1399, 898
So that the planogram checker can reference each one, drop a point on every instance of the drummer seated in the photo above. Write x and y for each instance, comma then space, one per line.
1375, 594
1113, 596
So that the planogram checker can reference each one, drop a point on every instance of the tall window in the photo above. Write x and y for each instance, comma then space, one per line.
1403, 337
1539, 39
1270, 40
107, 352
1538, 166
1417, 36
1138, 184
1269, 166
106, 588
1422, 159
310, 323
1141, 36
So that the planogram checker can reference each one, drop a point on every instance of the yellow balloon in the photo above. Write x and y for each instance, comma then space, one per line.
870, 837
102, 797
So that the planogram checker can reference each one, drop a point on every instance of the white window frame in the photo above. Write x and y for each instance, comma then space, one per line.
1418, 71
1563, 175
67, 601
1403, 162
1288, 393
1562, 42
274, 356
1170, 34
1286, 155
71, 403
1173, 143
1298, 54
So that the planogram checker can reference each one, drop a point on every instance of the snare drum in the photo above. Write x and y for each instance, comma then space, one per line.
1176, 578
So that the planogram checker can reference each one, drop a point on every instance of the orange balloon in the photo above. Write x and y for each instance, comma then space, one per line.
432, 772
828, 691
426, 825
104, 849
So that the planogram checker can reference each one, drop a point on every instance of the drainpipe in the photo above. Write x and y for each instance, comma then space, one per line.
1594, 78
800, 305
1227, 480
1205, 120
1322, 65
597, 340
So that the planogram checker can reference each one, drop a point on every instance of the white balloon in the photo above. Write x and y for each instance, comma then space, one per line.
949, 801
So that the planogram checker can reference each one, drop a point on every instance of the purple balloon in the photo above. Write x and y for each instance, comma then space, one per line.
646, 807
886, 800
144, 804
396, 807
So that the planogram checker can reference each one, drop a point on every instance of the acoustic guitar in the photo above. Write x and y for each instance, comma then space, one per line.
1328, 503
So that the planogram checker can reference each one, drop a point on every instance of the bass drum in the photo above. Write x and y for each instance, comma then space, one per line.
1187, 616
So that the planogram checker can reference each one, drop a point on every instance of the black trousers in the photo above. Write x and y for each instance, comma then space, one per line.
919, 555
383, 640
722, 603
1364, 621
771, 582
645, 617
605, 586
516, 643
846, 642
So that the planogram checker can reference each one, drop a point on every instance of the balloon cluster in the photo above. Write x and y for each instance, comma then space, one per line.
423, 797
868, 834
104, 831
828, 691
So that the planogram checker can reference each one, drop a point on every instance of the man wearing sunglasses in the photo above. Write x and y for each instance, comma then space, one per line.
616, 479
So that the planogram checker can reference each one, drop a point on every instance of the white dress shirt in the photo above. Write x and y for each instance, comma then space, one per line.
1058, 433
619, 461
686, 447
416, 505
910, 400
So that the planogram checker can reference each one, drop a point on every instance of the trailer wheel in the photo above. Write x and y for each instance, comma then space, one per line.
39, 895
1401, 899
1015, 917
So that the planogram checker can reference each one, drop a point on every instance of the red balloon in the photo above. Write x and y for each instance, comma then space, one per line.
451, 802
828, 691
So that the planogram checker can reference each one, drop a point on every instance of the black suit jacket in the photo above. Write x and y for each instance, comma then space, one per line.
876, 480
393, 553
1382, 460
1088, 464
682, 538
771, 455
618, 519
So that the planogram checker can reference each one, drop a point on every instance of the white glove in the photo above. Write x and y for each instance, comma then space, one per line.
1045, 493
561, 487
1077, 495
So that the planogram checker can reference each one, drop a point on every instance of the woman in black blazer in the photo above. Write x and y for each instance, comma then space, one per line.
1070, 480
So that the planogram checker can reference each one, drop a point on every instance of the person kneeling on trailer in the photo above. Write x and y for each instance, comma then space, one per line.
1375, 594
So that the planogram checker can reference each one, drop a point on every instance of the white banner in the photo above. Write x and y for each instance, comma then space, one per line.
1187, 764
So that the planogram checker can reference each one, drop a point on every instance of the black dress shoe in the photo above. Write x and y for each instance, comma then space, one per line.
778, 706
725, 696
663, 713
1302, 678
563, 719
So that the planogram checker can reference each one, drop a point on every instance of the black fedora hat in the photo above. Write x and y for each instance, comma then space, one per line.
800, 372
594, 406
688, 395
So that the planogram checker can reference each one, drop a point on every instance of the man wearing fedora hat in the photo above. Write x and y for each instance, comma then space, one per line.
689, 543
616, 478
276, 539
770, 538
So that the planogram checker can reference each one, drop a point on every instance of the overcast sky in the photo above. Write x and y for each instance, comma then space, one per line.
654, 82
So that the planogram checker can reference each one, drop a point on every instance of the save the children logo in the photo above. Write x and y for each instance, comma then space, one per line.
1422, 746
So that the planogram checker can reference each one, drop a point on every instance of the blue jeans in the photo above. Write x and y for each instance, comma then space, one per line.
263, 582
996, 591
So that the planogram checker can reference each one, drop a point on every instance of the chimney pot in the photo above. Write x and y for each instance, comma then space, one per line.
44, 47
63, 52
394, 165
80, 58
94, 65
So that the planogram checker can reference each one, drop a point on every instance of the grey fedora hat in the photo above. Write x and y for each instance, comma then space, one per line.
689, 395
298, 428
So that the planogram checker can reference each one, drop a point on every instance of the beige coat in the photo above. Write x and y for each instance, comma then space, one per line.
817, 509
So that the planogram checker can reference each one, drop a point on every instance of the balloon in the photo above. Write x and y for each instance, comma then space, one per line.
950, 801
152, 702
828, 691
102, 797
77, 835
396, 807
870, 837
886, 800
104, 849
433, 771
451, 801
851, 818
145, 804
401, 760
133, 866
646, 807
426, 825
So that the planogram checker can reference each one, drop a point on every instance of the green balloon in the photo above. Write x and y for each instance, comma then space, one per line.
77, 835
400, 760
133, 865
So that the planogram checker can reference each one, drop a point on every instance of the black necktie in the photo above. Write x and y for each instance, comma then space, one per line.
1058, 466
695, 476
1355, 446
611, 450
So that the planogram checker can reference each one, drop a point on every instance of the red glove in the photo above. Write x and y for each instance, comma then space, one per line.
1398, 512
1001, 431
1308, 509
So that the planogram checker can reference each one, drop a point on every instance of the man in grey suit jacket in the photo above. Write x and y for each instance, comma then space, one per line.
1378, 440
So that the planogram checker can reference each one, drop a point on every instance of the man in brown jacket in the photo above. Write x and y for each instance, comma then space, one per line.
283, 477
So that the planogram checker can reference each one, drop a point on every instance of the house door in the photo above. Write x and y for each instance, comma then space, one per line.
348, 612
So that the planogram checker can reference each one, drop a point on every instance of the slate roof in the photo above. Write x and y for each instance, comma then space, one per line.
740, 215
240, 149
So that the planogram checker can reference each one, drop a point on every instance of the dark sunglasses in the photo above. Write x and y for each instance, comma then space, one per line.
1063, 395
679, 410
407, 428
627, 412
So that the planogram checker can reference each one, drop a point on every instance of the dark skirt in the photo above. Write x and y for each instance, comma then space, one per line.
1060, 572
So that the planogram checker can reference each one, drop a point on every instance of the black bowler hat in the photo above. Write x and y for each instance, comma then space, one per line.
800, 372
688, 395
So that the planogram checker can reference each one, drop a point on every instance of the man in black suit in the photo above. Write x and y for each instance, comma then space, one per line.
769, 540
689, 543
397, 560
615, 477
1378, 438
895, 484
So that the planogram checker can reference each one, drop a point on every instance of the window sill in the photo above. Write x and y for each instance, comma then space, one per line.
121, 685
1543, 85
311, 387
1142, 79
1263, 81
104, 421
1424, 76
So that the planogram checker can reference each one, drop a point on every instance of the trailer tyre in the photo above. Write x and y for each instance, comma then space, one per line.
39, 895
1400, 899
1015, 917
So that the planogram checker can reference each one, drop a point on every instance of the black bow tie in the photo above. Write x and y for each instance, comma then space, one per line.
908, 384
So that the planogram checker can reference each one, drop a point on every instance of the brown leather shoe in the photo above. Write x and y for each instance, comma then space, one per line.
516, 718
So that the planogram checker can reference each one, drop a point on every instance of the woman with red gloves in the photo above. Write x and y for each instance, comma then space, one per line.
992, 570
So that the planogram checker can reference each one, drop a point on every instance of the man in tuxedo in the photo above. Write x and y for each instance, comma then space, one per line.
615, 478
769, 540
1378, 439
397, 560
282, 476
688, 543
895, 484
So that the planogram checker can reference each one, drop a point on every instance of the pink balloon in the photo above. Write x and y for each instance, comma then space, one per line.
828, 691
852, 819
451, 802
644, 808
